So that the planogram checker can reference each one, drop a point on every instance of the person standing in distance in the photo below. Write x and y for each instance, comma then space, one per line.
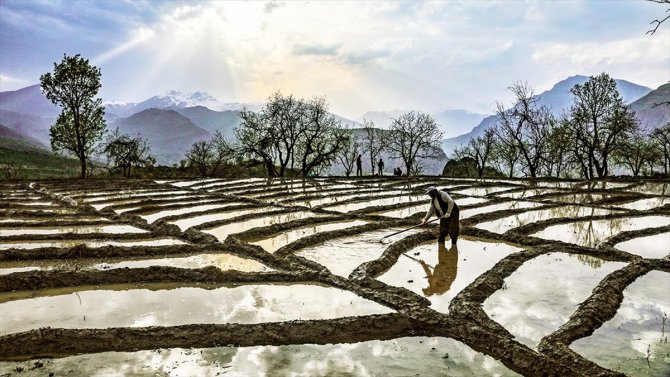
359, 166
446, 209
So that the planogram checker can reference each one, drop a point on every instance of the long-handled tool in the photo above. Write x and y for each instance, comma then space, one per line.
410, 228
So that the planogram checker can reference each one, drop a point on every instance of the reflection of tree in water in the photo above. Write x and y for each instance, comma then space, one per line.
444, 273
590, 233
590, 261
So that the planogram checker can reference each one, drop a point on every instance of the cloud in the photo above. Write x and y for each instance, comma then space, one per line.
366, 56
8, 80
316, 49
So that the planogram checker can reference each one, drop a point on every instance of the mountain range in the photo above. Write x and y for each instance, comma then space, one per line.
172, 122
559, 99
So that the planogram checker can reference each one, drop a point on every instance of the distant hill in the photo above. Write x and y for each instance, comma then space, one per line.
450, 122
212, 121
13, 139
169, 133
35, 126
648, 114
558, 98
28, 100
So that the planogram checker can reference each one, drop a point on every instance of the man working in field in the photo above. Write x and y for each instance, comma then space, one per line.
444, 207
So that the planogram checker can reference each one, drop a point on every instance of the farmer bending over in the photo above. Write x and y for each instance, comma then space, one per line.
444, 207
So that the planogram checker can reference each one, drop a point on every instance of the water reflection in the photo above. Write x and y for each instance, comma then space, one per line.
507, 223
635, 340
272, 244
591, 233
443, 274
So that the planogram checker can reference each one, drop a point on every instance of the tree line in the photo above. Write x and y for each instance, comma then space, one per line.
290, 136
598, 132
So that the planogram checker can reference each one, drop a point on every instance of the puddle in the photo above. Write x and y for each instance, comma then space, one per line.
34, 203
164, 305
638, 331
377, 202
222, 261
27, 245
481, 191
582, 198
498, 207
398, 357
159, 215
341, 256
656, 246
525, 194
222, 232
79, 229
507, 223
654, 188
591, 233
184, 224
645, 204
272, 244
405, 212
541, 295
440, 273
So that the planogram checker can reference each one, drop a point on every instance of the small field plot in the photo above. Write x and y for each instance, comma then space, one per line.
635, 341
532, 216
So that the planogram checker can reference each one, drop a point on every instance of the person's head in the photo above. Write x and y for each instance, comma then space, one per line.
431, 191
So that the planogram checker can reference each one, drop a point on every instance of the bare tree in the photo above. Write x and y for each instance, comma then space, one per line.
505, 153
208, 156
662, 138
414, 135
374, 142
599, 121
321, 139
348, 155
479, 149
657, 22
126, 152
526, 126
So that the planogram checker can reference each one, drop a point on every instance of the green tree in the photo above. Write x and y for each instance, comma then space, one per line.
73, 85
124, 152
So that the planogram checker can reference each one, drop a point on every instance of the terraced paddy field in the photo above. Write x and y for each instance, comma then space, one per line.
255, 277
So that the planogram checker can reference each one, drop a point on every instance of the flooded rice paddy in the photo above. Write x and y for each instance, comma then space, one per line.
142, 278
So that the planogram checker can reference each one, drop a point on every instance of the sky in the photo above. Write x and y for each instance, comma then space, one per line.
360, 56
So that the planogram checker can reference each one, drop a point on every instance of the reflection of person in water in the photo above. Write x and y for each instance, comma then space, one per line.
444, 273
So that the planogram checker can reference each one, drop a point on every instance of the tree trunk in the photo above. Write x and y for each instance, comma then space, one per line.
83, 167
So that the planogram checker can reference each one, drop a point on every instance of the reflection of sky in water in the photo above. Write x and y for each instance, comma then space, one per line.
170, 307
159, 215
509, 222
112, 229
621, 344
404, 212
450, 269
127, 203
222, 232
656, 246
525, 193
578, 198
134, 194
542, 294
186, 223
591, 233
342, 255
398, 357
93, 243
645, 204
377, 202
272, 244
222, 261
654, 188
497, 207
480, 191
206, 183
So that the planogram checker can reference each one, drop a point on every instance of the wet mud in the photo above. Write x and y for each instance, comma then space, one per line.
466, 320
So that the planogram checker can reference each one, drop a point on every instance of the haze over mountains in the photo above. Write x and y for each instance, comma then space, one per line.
172, 122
